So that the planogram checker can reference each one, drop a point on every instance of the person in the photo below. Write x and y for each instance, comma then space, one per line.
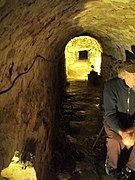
94, 79
119, 122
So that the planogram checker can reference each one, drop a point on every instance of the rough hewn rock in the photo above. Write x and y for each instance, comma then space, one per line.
33, 35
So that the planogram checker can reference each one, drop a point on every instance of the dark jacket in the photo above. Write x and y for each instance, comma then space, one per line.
119, 104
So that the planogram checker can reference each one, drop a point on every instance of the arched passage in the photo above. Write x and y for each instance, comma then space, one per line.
82, 55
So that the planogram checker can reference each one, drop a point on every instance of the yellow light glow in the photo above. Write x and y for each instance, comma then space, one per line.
78, 69
19, 171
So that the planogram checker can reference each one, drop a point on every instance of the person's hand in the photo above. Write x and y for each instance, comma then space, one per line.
128, 137
128, 140
131, 132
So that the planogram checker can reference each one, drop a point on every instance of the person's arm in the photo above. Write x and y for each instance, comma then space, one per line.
110, 107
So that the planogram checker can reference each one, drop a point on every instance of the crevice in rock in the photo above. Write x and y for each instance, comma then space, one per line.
13, 82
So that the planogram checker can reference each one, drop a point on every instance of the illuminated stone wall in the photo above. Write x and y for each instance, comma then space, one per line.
78, 69
33, 37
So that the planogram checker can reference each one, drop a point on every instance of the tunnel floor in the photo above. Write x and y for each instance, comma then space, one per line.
82, 122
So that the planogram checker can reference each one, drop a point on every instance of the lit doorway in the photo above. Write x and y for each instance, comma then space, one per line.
82, 55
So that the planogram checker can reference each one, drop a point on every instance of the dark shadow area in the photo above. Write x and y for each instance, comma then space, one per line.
81, 121
29, 150
130, 55
133, 49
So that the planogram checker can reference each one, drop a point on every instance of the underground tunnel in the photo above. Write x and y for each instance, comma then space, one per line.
39, 41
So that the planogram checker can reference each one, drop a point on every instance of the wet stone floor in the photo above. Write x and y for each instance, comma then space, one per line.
82, 119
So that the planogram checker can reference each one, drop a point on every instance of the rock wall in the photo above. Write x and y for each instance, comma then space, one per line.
33, 36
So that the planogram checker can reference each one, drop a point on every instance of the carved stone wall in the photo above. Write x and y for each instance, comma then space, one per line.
33, 36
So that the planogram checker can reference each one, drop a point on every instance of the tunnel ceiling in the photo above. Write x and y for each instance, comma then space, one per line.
51, 23
37, 27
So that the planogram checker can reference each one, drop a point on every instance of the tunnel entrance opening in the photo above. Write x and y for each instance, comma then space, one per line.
81, 116
82, 55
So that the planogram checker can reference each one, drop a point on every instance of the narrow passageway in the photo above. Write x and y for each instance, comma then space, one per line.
82, 116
